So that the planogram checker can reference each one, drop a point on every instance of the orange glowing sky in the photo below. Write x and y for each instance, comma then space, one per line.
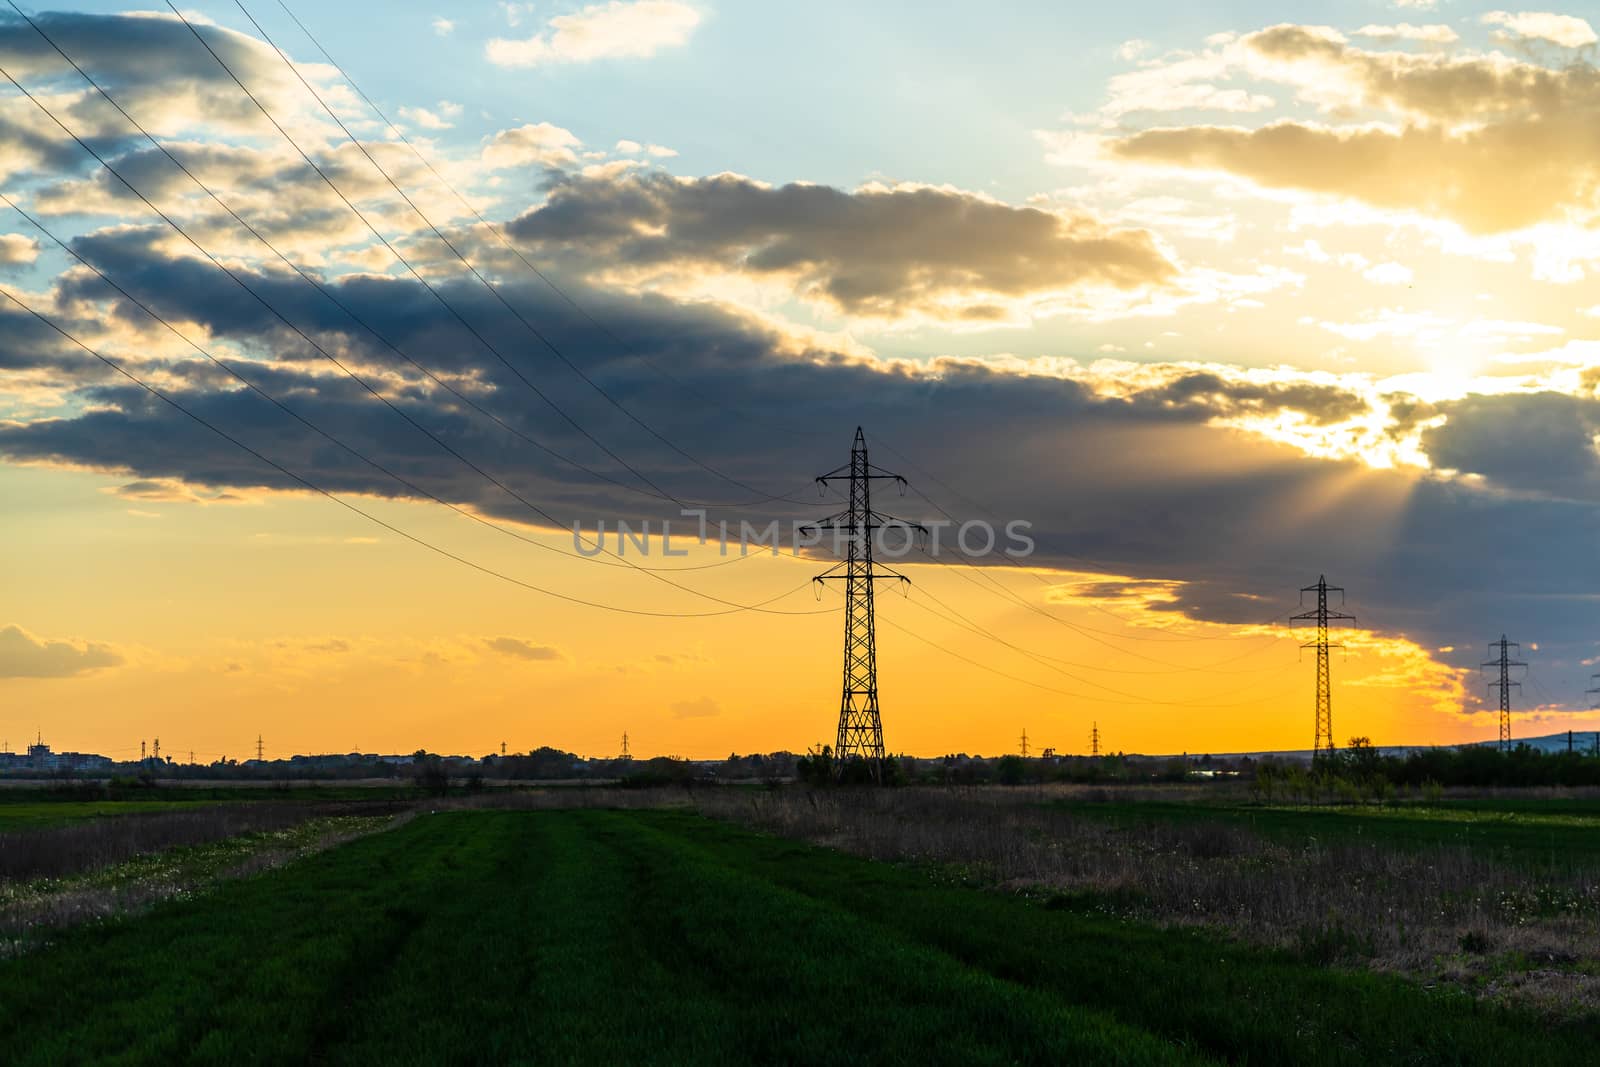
1225, 302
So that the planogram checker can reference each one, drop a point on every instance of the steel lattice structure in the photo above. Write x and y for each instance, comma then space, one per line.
860, 723
1503, 683
1323, 743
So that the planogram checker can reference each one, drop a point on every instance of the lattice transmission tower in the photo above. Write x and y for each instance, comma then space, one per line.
860, 724
1094, 740
1501, 650
1323, 617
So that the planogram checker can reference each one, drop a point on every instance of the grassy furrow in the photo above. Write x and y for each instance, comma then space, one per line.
1232, 1001
657, 937
524, 937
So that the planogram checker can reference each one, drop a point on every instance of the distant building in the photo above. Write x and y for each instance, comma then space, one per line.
40, 758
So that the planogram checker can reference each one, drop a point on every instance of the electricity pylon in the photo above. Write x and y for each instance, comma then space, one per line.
1323, 743
1504, 683
1094, 740
1024, 742
860, 726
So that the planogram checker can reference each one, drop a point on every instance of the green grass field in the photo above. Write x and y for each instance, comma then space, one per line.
599, 937
31, 809
36, 814
1541, 831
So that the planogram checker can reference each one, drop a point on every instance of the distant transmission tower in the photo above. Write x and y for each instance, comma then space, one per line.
1024, 742
860, 727
1094, 740
158, 750
1323, 743
1504, 683
258, 749
625, 753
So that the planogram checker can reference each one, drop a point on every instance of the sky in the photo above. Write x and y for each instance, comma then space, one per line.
299, 404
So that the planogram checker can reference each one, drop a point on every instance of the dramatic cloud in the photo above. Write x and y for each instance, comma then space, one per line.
154, 66
880, 251
441, 117
1243, 481
537, 144
1405, 31
1490, 142
621, 29
22, 655
1568, 31
15, 249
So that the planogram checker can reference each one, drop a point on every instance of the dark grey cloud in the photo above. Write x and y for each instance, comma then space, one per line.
1141, 480
879, 252
22, 655
151, 63
517, 648
1528, 443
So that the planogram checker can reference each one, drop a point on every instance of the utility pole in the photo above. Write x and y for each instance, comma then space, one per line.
1504, 683
1024, 742
1094, 740
1322, 744
860, 726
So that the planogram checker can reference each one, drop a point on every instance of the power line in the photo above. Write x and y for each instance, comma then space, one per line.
391, 527
1171, 668
292, 413
1044, 661
488, 286
270, 308
496, 231
476, 334
1019, 679
399, 134
500, 237
313, 281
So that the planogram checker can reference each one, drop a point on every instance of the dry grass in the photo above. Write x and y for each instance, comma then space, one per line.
31, 909
61, 851
1439, 914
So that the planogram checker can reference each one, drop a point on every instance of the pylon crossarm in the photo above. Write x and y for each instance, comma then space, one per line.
884, 519
842, 474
